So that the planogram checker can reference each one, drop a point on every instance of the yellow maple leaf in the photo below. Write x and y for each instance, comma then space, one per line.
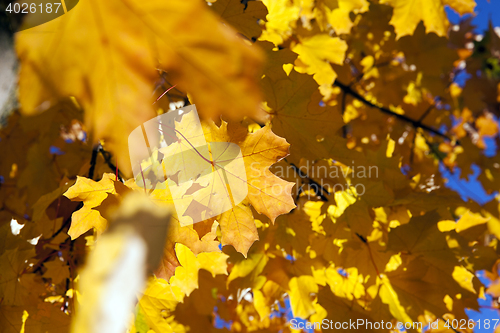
157, 303
302, 293
281, 18
91, 193
328, 14
315, 55
469, 220
461, 6
190, 161
113, 73
251, 268
267, 193
186, 275
487, 125
390, 297
348, 286
339, 17
464, 278
262, 298
239, 228
407, 14
25, 316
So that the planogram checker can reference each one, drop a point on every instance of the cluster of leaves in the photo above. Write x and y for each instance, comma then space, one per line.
344, 84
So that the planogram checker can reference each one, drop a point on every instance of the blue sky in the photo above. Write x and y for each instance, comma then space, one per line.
471, 188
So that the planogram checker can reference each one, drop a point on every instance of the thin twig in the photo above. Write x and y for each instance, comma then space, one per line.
426, 113
164, 93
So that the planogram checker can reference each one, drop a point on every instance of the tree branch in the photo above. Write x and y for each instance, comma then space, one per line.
415, 123
344, 128
107, 160
319, 189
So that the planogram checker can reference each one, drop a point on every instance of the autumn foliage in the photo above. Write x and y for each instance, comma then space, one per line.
351, 118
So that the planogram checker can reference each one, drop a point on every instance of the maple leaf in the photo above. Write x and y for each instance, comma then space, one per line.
143, 43
267, 193
239, 228
428, 46
244, 17
338, 308
160, 298
42, 316
471, 226
302, 289
198, 309
426, 64
407, 14
178, 233
390, 297
430, 243
157, 302
91, 193
249, 270
432, 262
57, 271
188, 159
297, 108
339, 17
293, 231
309, 126
186, 275
14, 284
331, 14
281, 18
315, 55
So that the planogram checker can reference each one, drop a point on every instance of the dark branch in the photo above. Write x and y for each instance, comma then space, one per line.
320, 190
344, 128
415, 123
93, 160
107, 159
